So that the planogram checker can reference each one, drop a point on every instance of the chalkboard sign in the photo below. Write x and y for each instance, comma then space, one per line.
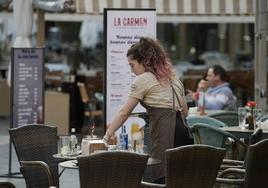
27, 86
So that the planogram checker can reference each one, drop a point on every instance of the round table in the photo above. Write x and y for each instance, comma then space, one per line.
65, 157
72, 164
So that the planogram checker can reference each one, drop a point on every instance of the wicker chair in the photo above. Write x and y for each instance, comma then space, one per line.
6, 184
230, 118
191, 166
254, 138
36, 143
37, 165
263, 118
191, 120
112, 169
205, 134
256, 172
88, 103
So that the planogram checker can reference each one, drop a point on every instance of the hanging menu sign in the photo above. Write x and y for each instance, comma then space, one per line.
27, 86
123, 28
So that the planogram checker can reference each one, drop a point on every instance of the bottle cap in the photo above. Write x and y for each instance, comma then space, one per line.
73, 130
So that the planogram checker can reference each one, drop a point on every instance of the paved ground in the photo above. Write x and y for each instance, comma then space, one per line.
69, 179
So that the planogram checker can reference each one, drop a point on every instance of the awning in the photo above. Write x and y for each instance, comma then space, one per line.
169, 11
172, 7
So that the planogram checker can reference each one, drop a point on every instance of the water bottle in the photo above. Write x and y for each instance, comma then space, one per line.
73, 142
85, 146
123, 138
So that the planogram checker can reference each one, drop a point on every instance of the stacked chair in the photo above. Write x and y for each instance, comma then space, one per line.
254, 174
254, 138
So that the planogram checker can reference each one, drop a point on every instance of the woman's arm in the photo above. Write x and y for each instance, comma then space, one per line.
121, 117
184, 107
181, 99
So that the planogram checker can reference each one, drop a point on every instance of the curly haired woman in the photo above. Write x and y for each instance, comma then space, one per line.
162, 94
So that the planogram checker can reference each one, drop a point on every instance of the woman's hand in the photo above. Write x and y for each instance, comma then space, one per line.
106, 139
109, 139
107, 136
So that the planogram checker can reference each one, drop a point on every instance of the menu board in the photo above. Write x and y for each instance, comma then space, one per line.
27, 86
123, 28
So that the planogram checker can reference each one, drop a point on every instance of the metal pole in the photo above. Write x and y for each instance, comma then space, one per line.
10, 158
260, 74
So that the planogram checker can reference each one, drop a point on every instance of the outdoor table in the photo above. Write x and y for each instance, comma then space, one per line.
207, 112
65, 157
72, 164
243, 133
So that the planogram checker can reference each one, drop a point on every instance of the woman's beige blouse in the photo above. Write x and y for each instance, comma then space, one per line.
146, 88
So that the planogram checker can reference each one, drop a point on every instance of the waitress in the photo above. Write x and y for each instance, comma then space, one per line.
162, 94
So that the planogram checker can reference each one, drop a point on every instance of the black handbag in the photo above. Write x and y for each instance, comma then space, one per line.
183, 134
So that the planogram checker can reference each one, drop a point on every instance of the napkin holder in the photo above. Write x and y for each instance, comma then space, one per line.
95, 145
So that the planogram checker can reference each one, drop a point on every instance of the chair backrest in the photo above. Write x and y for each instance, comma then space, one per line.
111, 169
38, 165
213, 136
257, 165
254, 138
263, 118
83, 92
230, 118
6, 184
36, 143
193, 166
191, 120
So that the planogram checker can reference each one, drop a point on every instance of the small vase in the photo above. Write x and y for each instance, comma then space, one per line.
250, 122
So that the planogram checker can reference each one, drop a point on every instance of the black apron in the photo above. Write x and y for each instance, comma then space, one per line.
166, 131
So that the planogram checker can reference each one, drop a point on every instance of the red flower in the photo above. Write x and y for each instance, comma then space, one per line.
196, 95
251, 104
250, 118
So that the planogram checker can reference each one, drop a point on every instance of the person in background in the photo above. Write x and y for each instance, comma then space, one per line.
193, 97
157, 88
201, 86
218, 95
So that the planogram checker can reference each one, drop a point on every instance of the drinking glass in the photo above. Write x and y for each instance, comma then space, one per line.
65, 145
201, 103
242, 117
257, 113
145, 149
